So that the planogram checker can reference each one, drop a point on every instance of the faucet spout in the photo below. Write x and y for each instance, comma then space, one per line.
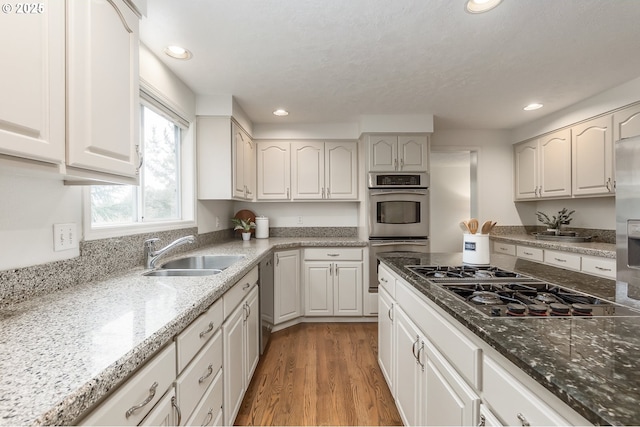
151, 255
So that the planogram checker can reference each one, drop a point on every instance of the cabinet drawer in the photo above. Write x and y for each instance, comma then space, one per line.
195, 380
504, 248
143, 390
239, 291
387, 280
191, 340
335, 254
210, 407
463, 354
533, 254
605, 267
562, 259
510, 399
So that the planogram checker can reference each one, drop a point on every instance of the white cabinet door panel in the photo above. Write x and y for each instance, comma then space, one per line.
274, 171
307, 166
555, 164
592, 163
318, 289
32, 106
412, 153
526, 170
341, 170
347, 289
102, 68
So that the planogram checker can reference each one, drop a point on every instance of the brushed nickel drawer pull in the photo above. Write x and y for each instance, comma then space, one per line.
523, 420
209, 417
209, 329
560, 259
333, 254
207, 375
175, 405
152, 393
602, 268
527, 253
246, 286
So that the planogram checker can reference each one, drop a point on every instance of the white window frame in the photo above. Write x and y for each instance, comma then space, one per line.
187, 182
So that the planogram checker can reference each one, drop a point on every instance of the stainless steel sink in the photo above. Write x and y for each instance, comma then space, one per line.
183, 272
203, 262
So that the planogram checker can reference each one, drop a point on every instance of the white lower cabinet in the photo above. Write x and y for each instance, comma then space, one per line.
513, 402
333, 281
386, 337
241, 352
441, 374
209, 410
131, 402
286, 286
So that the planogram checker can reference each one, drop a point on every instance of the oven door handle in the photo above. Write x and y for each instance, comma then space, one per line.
396, 243
398, 192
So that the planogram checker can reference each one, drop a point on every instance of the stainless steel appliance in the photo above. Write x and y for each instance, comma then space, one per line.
501, 293
265, 270
627, 187
398, 216
378, 246
399, 205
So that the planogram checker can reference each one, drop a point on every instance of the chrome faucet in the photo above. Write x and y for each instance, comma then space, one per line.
151, 255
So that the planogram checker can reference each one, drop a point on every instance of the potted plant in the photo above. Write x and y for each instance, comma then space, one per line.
245, 225
553, 224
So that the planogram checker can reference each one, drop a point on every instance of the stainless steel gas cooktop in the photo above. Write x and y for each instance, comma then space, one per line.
495, 292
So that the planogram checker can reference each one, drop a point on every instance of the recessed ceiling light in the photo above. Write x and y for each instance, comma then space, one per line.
480, 6
178, 52
532, 107
281, 112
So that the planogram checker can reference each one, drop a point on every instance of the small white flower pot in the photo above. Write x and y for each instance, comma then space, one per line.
246, 236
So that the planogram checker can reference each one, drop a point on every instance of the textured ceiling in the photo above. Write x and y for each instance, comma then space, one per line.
333, 60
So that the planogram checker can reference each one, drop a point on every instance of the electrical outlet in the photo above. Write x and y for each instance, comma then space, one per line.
300, 220
65, 237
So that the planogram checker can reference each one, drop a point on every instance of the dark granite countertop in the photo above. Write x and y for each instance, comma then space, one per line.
592, 364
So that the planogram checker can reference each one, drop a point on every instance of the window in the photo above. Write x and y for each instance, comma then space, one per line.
159, 198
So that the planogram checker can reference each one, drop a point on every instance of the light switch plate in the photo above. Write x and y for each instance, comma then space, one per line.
65, 237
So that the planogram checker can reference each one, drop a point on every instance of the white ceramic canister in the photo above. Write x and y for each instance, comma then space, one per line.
262, 227
475, 249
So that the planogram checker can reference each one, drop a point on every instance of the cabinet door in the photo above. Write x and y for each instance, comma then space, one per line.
555, 164
448, 400
274, 171
252, 331
233, 368
412, 154
409, 373
286, 286
318, 288
386, 337
383, 153
526, 170
347, 289
341, 170
242, 152
307, 169
103, 108
32, 106
626, 123
592, 166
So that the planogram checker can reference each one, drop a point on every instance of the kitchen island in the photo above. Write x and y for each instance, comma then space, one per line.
62, 353
590, 364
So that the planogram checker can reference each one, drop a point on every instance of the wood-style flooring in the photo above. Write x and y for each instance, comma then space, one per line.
320, 374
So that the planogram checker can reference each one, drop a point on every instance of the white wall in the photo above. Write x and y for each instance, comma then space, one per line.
495, 170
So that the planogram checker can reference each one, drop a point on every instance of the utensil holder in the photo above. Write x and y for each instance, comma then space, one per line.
475, 249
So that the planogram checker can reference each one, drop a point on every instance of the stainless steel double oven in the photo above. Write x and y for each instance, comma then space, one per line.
398, 216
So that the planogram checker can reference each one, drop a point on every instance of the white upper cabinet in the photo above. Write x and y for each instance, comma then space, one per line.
543, 167
526, 170
398, 153
626, 123
226, 159
592, 157
555, 164
274, 171
244, 164
103, 92
32, 105
324, 170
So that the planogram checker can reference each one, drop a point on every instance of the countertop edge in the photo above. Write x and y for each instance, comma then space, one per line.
596, 249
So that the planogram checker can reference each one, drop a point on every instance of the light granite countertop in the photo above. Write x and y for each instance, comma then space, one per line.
62, 352
591, 364
597, 249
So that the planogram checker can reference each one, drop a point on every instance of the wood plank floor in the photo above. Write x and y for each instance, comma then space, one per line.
320, 374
